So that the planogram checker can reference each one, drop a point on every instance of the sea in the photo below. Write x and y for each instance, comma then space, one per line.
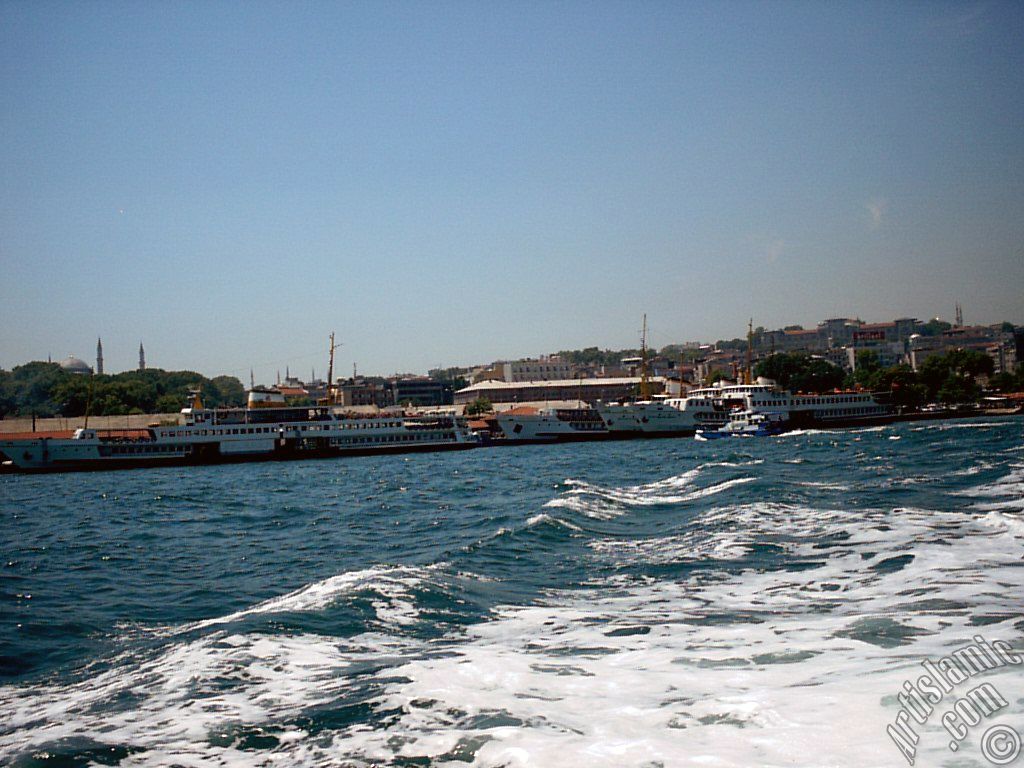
824, 598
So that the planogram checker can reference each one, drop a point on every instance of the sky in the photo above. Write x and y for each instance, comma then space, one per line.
450, 183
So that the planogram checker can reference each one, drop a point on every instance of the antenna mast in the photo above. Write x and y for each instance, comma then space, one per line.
645, 393
330, 369
750, 351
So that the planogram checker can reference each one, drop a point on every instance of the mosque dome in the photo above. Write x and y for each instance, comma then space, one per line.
75, 365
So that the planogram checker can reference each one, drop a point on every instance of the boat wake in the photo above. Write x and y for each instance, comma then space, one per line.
792, 655
603, 503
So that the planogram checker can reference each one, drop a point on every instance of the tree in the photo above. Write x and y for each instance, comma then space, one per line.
953, 375
903, 386
867, 370
716, 376
478, 406
799, 372
168, 404
595, 356
47, 390
958, 389
934, 327
818, 376
736, 343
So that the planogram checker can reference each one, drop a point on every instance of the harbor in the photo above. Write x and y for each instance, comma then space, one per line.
269, 430
282, 423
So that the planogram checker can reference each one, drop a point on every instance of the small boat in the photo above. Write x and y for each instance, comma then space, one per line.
747, 423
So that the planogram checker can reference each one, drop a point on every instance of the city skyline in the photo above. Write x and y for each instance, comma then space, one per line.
444, 184
341, 371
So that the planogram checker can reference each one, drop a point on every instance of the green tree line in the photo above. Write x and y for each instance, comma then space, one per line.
948, 378
46, 389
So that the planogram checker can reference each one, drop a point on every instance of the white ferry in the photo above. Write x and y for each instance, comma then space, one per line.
668, 417
265, 430
710, 408
546, 425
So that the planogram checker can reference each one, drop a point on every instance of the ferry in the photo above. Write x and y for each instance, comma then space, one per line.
710, 408
266, 429
657, 416
547, 425
667, 417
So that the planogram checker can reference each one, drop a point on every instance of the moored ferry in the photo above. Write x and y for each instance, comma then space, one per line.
266, 429
546, 425
710, 408
668, 417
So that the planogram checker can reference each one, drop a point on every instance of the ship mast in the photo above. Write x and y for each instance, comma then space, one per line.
749, 377
645, 390
330, 370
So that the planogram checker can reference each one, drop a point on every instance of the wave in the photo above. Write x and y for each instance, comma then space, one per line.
946, 426
392, 586
795, 661
758, 667
605, 503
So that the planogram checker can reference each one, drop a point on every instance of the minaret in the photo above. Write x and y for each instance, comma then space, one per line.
142, 357
252, 380
959, 315
99, 356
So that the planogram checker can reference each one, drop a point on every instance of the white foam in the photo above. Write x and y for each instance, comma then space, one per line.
761, 667
606, 503
673, 673
392, 583
945, 426
802, 432
182, 699
542, 518
824, 486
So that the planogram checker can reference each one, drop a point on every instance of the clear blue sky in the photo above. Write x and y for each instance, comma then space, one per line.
449, 183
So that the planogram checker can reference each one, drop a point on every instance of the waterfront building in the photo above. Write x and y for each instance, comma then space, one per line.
1004, 356
838, 356
887, 341
980, 338
837, 332
421, 391
726, 362
793, 340
544, 368
292, 387
493, 372
587, 390
360, 392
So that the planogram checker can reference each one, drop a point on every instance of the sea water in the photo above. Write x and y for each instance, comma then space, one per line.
745, 602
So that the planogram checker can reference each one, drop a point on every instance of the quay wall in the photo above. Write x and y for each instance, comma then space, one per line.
62, 424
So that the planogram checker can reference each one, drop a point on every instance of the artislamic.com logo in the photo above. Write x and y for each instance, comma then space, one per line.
1000, 744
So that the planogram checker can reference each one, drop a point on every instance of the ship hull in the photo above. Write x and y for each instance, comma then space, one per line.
208, 454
